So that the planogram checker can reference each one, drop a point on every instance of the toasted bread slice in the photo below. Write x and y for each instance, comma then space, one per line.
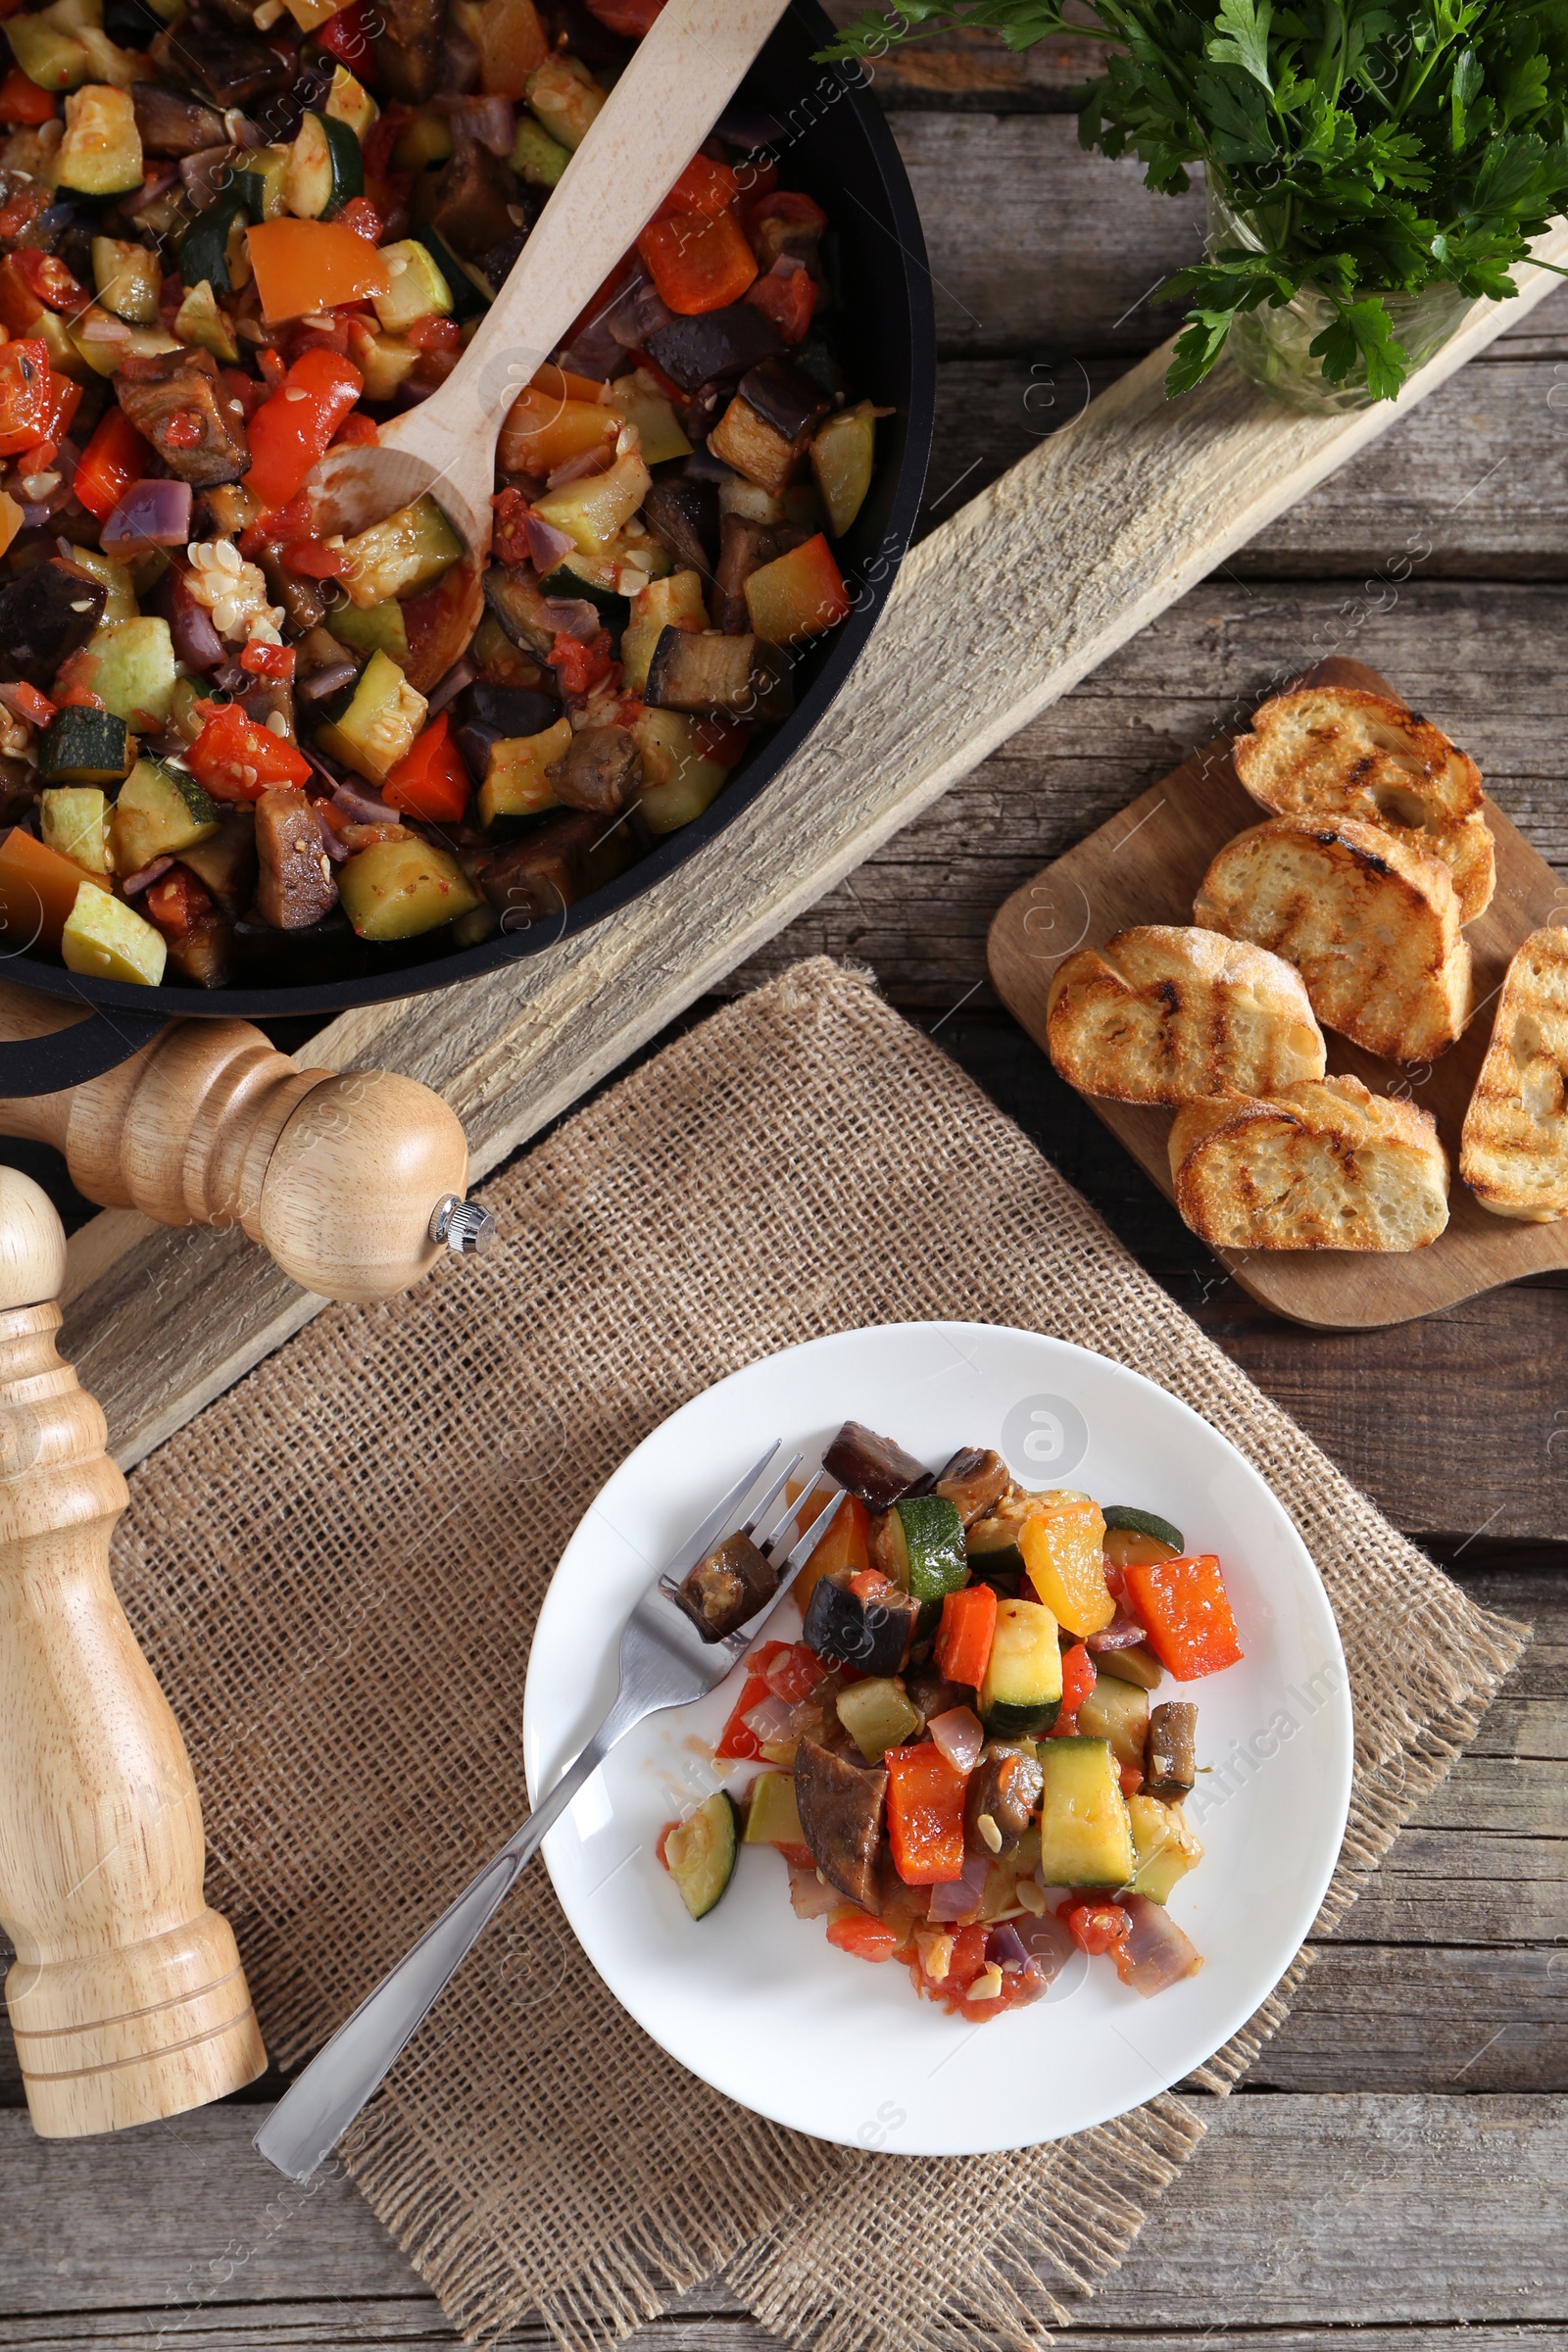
1513, 1152
1162, 1013
1353, 753
1371, 922
1325, 1165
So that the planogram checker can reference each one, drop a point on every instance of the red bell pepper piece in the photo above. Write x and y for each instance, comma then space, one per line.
269, 660
25, 397
697, 264
115, 456
179, 902
27, 703
865, 1937
925, 1814
789, 297
794, 1674
235, 760
631, 19
1078, 1678
292, 430
356, 431
1186, 1615
965, 1636
431, 780
315, 559
347, 35
736, 1740
705, 189
49, 278
361, 215
844, 1549
22, 100
431, 332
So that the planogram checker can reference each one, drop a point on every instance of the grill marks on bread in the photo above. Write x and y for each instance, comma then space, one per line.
1343, 752
1162, 1013
1513, 1152
1323, 1165
1370, 921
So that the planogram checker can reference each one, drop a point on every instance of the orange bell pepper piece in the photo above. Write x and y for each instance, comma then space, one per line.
1185, 1609
798, 595
305, 265
22, 100
430, 780
295, 427
965, 1636
844, 1549
697, 264
925, 1814
37, 890
705, 189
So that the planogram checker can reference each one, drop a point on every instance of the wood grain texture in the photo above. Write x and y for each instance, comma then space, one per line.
1145, 866
1197, 478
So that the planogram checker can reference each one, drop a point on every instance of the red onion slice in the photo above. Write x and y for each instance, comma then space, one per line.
150, 514
330, 840
1157, 1953
157, 182
587, 461
461, 673
960, 1736
546, 545
1122, 1633
138, 882
774, 1720
322, 684
362, 807
1005, 1946
491, 121
809, 1898
961, 1897
573, 617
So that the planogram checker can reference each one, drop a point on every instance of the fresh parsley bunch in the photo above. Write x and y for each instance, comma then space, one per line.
1375, 146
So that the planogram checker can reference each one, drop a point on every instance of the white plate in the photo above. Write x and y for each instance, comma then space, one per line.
756, 2000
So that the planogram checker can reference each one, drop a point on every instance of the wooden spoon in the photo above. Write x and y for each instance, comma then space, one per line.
664, 105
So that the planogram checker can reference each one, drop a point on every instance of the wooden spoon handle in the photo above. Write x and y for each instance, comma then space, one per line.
684, 74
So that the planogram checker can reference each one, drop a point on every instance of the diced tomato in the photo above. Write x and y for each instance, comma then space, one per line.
291, 521
736, 1740
292, 430
21, 101
789, 297
235, 760
705, 189
315, 560
725, 740
1132, 1779
356, 431
361, 215
631, 19
858, 1933
964, 1635
27, 703
347, 36
269, 660
661, 1840
27, 397
968, 1959
870, 1585
1078, 1677
382, 137
433, 334
799, 1857
795, 1673
1182, 1606
431, 780
771, 213
179, 902
697, 264
925, 1814
20, 211
1094, 1927
580, 667
183, 429
1019, 1988
75, 698
510, 541
49, 278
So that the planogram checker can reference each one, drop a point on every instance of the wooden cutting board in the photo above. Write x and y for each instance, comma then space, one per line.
1145, 866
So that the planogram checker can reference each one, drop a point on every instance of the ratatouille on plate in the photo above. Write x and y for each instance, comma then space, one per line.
967, 1762
238, 744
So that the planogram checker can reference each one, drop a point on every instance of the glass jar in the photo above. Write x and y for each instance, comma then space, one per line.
1270, 346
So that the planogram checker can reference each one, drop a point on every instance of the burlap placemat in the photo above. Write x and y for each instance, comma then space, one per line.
336, 1570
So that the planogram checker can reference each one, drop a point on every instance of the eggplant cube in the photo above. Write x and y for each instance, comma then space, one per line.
873, 1635
731, 1585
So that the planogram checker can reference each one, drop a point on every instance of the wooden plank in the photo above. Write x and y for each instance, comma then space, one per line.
1399, 2018
976, 71
1293, 2210
1194, 480
1471, 488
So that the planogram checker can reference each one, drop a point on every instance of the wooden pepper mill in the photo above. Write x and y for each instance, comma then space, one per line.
126, 1995
354, 1181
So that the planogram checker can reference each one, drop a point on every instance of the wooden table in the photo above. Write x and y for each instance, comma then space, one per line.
1395, 2163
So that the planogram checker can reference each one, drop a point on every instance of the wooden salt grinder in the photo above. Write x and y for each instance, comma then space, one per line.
126, 1995
353, 1180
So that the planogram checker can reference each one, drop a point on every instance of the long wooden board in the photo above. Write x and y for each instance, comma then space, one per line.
996, 613
1145, 866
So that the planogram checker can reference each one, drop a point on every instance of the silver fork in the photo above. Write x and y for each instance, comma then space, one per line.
664, 1662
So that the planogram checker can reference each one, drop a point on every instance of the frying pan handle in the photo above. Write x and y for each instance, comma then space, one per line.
65, 1057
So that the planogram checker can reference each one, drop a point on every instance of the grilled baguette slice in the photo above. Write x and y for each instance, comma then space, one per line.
1347, 753
1162, 1013
1324, 1166
1513, 1152
1370, 921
